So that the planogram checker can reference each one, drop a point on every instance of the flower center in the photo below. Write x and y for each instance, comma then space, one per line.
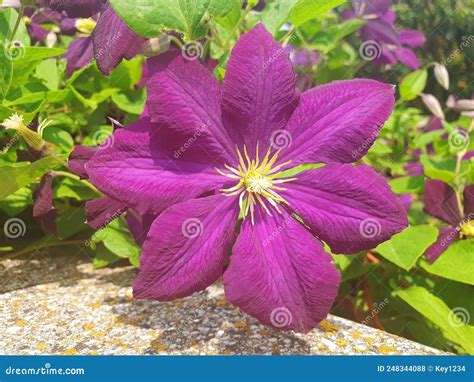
467, 229
257, 182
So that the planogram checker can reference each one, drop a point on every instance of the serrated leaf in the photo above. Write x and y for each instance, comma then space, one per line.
404, 248
149, 18
453, 322
455, 263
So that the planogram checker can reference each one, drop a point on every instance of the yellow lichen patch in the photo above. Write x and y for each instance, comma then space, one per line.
41, 346
385, 349
70, 351
264, 332
159, 347
21, 322
328, 327
341, 343
221, 303
88, 326
240, 324
369, 340
356, 335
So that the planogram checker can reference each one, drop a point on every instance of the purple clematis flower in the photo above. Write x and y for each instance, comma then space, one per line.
392, 45
110, 42
208, 153
441, 202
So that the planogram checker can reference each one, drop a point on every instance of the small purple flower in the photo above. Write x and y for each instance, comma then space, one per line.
111, 40
441, 202
209, 153
391, 46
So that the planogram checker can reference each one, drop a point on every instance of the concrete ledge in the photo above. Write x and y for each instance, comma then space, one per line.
57, 304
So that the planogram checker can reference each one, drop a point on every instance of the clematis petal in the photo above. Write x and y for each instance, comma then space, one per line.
114, 41
259, 92
446, 236
469, 201
139, 225
79, 54
350, 208
380, 31
131, 167
78, 159
43, 209
441, 202
186, 248
365, 7
77, 8
102, 211
412, 38
407, 57
280, 274
338, 122
185, 98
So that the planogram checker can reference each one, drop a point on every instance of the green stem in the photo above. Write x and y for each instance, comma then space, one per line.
177, 41
457, 179
18, 20
32, 248
75, 177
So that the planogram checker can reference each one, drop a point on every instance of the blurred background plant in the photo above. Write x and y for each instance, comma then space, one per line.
54, 98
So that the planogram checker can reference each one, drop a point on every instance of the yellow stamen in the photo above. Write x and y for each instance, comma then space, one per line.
467, 229
257, 182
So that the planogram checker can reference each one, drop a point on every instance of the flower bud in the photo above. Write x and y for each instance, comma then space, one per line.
442, 75
156, 46
32, 138
433, 105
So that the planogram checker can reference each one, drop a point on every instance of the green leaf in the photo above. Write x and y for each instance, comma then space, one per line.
104, 257
439, 169
455, 263
132, 101
22, 174
8, 18
25, 65
48, 72
276, 14
71, 221
149, 18
452, 322
59, 137
17, 202
408, 185
352, 267
74, 189
413, 84
117, 239
404, 248
6, 72
307, 10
